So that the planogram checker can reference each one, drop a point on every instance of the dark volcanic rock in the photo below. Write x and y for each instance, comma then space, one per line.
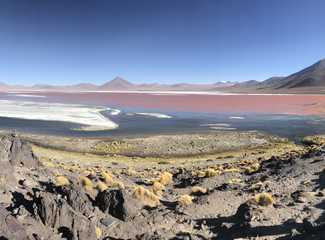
56, 213
17, 152
77, 199
183, 178
112, 201
311, 226
13, 153
10, 228
245, 213
117, 203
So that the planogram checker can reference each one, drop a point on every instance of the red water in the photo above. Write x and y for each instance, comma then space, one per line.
278, 104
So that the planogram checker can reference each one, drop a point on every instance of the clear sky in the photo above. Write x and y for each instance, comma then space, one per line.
166, 41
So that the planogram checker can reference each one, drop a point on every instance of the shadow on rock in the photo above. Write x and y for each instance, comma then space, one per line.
240, 225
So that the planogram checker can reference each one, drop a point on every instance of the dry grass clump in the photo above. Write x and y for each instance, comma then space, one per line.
264, 199
235, 181
253, 168
166, 178
147, 197
3, 183
107, 178
158, 188
131, 172
110, 181
231, 170
306, 183
101, 186
99, 232
256, 186
118, 184
185, 200
196, 190
89, 173
86, 183
210, 172
61, 181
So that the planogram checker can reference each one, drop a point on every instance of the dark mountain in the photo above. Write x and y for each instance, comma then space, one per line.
84, 86
313, 76
310, 77
121, 84
249, 83
44, 86
117, 83
269, 82
308, 80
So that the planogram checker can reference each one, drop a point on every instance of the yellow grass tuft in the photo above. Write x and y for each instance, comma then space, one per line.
87, 173
110, 181
210, 172
166, 178
231, 170
131, 172
158, 188
86, 183
264, 199
118, 184
235, 181
61, 181
98, 232
185, 200
256, 186
107, 178
101, 186
147, 197
252, 168
198, 190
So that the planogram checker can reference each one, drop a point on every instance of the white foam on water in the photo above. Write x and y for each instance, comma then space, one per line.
113, 111
156, 115
236, 117
216, 125
91, 117
223, 128
26, 95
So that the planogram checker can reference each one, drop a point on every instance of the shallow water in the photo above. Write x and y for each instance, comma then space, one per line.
293, 127
181, 121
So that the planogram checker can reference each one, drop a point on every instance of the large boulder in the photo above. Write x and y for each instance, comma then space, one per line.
10, 228
246, 212
117, 203
56, 213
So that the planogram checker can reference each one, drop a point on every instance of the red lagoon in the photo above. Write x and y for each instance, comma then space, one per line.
272, 104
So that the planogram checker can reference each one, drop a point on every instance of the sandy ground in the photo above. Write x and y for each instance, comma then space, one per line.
203, 197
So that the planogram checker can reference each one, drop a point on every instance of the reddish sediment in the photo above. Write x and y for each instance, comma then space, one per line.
276, 104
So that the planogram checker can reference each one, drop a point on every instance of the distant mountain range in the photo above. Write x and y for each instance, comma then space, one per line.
118, 84
308, 80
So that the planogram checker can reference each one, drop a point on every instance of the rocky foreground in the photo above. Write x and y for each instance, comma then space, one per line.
272, 197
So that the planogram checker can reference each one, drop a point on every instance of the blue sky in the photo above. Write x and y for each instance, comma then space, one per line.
166, 41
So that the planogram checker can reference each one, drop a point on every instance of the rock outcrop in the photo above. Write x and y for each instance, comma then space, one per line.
56, 213
76, 198
17, 152
114, 202
10, 228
